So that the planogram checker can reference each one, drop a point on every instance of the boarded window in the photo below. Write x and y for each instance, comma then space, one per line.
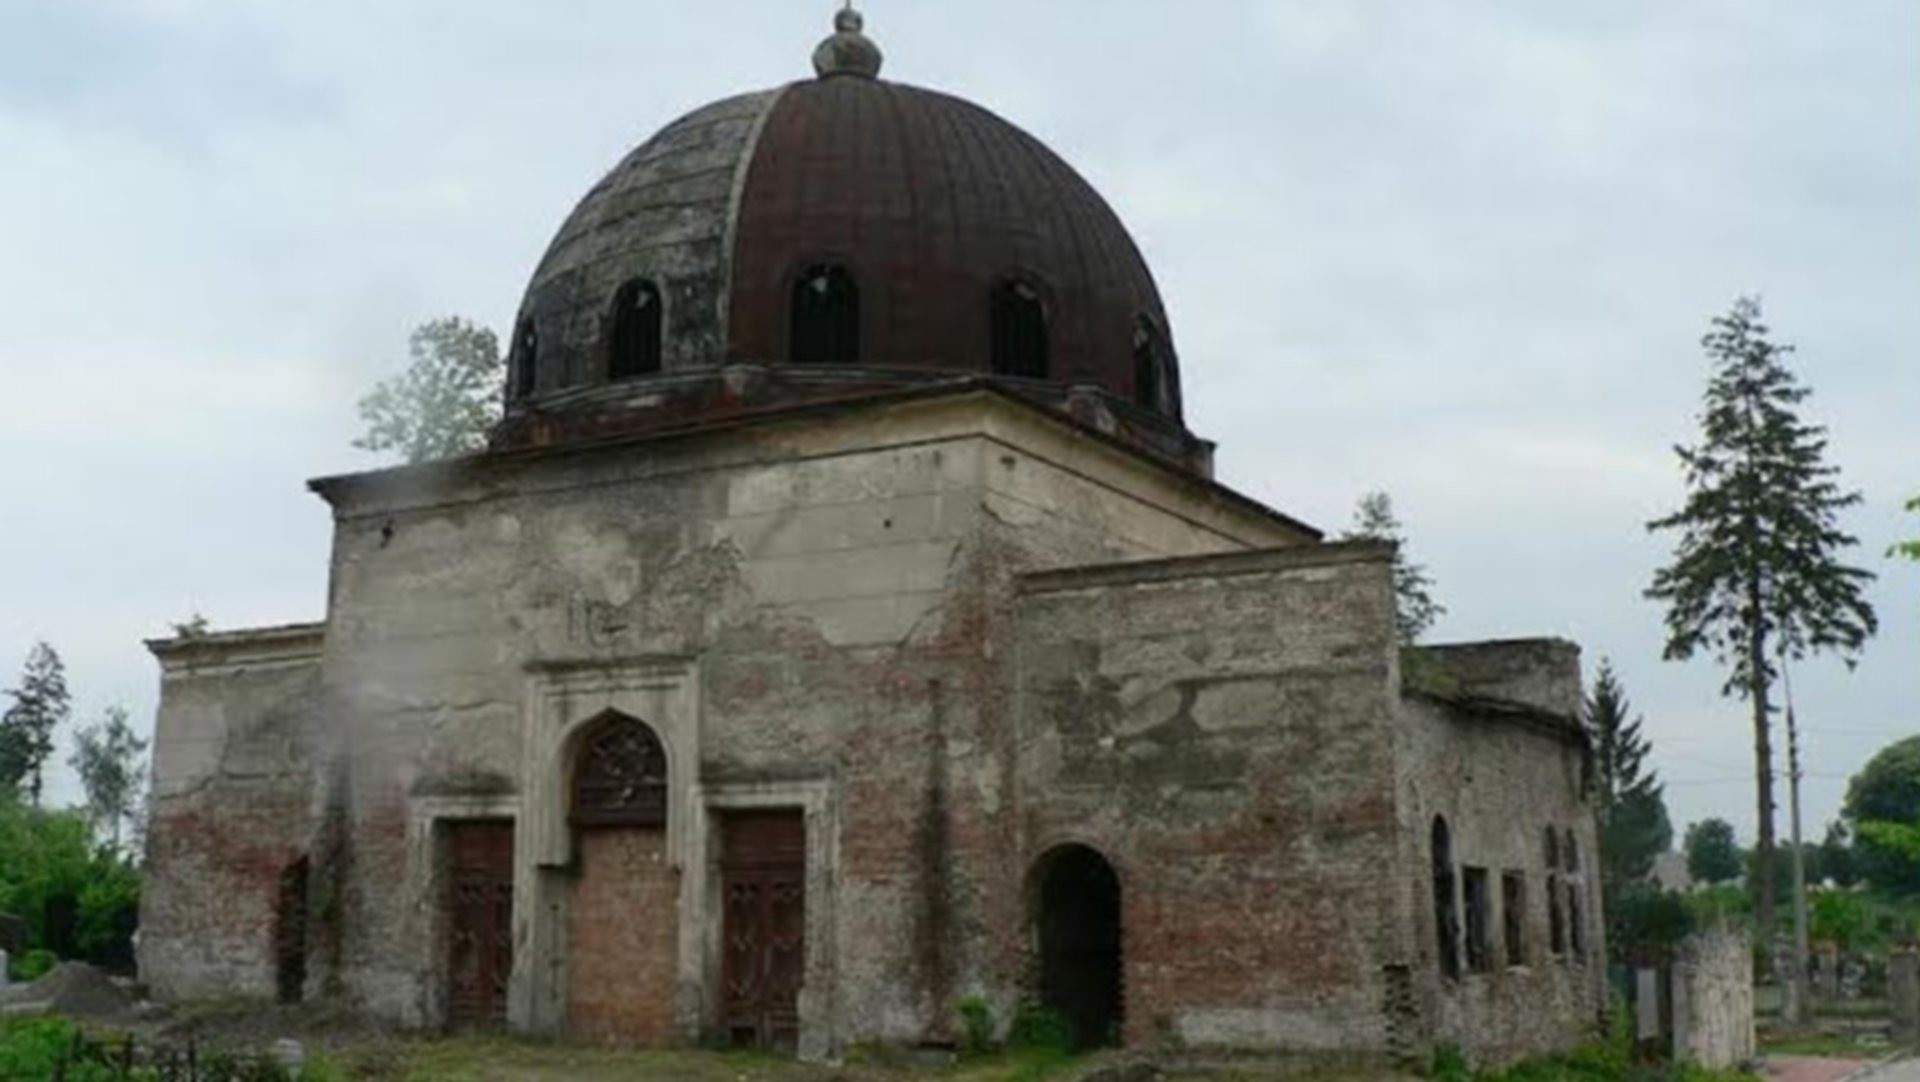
1479, 920
1150, 380
526, 359
1445, 914
636, 330
1019, 330
1513, 916
1556, 919
826, 317
1576, 925
621, 779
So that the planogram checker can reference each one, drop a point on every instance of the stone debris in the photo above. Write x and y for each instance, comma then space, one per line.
75, 989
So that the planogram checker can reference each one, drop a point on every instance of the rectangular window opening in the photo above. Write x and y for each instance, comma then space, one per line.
1479, 914
1513, 916
1574, 922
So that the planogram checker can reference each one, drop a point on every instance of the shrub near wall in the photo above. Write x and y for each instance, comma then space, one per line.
77, 900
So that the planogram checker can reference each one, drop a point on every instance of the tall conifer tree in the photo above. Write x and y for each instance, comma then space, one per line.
1634, 827
1756, 573
1415, 610
40, 705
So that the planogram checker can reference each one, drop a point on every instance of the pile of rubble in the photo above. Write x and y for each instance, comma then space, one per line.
73, 989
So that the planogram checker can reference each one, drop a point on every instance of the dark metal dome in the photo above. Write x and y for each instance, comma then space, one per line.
939, 243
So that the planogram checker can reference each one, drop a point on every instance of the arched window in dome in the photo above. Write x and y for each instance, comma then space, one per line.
1019, 330
621, 775
826, 317
1152, 383
636, 330
526, 355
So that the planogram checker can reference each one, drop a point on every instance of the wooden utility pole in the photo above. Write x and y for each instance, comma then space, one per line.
1799, 1010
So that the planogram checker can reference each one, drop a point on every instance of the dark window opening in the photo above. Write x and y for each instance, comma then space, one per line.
826, 317
526, 358
636, 330
621, 779
1553, 849
1513, 916
1152, 368
1479, 920
1446, 917
1576, 926
1556, 918
1019, 330
1570, 852
1080, 943
290, 932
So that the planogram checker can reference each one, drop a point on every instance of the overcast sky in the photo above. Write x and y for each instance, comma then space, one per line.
1462, 251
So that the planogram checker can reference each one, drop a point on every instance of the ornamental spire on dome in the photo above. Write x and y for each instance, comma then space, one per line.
848, 51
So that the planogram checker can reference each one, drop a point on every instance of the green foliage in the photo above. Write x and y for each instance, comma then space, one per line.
1756, 576
1645, 922
1634, 827
442, 405
1415, 610
1038, 1027
32, 965
1909, 549
40, 705
48, 864
1449, 1064
1883, 804
50, 1048
976, 1026
107, 758
1719, 904
1712, 855
42, 1047
1842, 917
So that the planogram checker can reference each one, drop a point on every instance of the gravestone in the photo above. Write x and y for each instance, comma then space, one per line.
1903, 995
1853, 975
1826, 973
1713, 999
1646, 1004
5, 959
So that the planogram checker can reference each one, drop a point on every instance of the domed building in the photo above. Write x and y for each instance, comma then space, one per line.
842, 625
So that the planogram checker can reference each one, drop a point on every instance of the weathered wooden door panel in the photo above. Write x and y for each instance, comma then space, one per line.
479, 922
763, 875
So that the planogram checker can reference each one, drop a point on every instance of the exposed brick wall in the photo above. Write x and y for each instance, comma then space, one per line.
622, 929
883, 608
1501, 782
1220, 729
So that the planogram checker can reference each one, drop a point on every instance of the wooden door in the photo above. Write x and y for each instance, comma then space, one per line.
763, 872
479, 922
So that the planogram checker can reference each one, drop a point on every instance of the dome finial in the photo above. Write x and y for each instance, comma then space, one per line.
848, 51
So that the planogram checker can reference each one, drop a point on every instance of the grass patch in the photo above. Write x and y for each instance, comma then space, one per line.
1826, 1045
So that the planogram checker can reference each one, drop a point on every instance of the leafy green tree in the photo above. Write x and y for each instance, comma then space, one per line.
1883, 804
1713, 856
1634, 827
41, 704
107, 758
1415, 610
1756, 574
442, 405
78, 900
